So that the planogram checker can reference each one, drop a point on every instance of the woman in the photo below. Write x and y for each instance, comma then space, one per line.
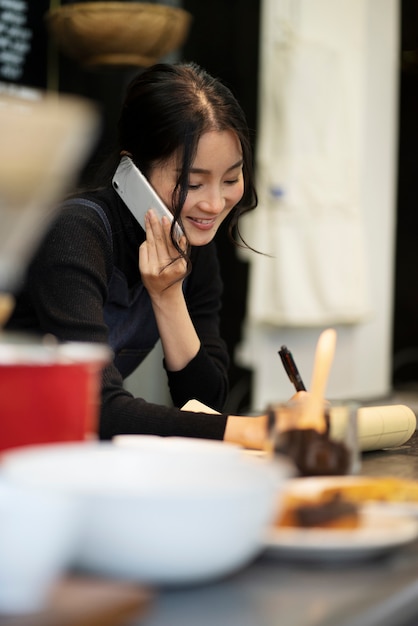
186, 132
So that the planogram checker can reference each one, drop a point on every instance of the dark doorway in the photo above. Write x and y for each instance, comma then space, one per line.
405, 328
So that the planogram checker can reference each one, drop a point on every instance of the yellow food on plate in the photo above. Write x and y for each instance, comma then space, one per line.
380, 489
336, 503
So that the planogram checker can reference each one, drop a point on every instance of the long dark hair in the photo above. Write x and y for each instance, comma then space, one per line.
167, 108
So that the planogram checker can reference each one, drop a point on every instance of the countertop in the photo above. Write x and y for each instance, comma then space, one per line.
274, 592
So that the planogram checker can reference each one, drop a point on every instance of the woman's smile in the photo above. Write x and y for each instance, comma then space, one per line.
201, 223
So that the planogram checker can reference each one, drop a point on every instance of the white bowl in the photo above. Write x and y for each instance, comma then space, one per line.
184, 452
160, 517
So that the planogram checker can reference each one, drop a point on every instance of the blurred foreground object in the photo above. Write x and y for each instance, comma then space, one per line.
78, 600
159, 510
61, 384
44, 143
316, 452
7, 303
38, 533
118, 33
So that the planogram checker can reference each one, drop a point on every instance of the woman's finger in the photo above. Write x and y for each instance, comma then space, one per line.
156, 239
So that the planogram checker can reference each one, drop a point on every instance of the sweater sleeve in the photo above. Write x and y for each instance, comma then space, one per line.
205, 377
64, 294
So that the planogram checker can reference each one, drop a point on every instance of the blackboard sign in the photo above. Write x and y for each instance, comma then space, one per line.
23, 42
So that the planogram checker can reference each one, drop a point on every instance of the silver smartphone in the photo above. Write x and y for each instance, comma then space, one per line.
138, 194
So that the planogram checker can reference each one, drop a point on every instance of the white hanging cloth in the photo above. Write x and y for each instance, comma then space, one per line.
308, 170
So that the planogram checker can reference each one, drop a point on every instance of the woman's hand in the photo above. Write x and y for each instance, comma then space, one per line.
248, 432
299, 396
163, 270
162, 267
253, 432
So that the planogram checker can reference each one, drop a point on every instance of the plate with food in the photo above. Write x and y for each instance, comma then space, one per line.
388, 491
343, 518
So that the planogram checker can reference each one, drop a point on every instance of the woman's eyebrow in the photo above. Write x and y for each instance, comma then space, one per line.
199, 170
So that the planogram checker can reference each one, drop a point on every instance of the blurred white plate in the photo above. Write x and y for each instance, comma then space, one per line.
381, 530
312, 486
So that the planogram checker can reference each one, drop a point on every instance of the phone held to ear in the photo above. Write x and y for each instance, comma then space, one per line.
138, 194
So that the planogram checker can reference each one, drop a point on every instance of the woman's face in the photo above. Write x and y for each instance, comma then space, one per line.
216, 184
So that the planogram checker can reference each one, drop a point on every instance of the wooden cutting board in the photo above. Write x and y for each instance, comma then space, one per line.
79, 601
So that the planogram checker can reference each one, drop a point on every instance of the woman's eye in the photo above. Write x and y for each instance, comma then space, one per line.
193, 187
231, 182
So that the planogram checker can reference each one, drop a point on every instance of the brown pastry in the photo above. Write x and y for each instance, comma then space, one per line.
314, 453
332, 512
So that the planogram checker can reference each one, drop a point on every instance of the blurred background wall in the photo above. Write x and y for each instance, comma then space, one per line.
355, 44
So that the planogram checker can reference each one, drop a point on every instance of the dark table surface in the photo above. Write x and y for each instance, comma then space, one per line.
274, 592
401, 462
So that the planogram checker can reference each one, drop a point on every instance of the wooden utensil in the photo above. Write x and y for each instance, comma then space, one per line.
84, 601
313, 415
6, 307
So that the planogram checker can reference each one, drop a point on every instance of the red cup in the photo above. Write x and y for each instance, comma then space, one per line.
49, 392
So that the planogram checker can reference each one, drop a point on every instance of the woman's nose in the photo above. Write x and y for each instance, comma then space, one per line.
214, 202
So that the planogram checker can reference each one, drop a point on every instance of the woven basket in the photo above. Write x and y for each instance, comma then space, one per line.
118, 33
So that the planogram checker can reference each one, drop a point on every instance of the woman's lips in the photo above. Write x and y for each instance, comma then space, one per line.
202, 223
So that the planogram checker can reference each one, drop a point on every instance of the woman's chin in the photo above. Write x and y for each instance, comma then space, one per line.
200, 237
